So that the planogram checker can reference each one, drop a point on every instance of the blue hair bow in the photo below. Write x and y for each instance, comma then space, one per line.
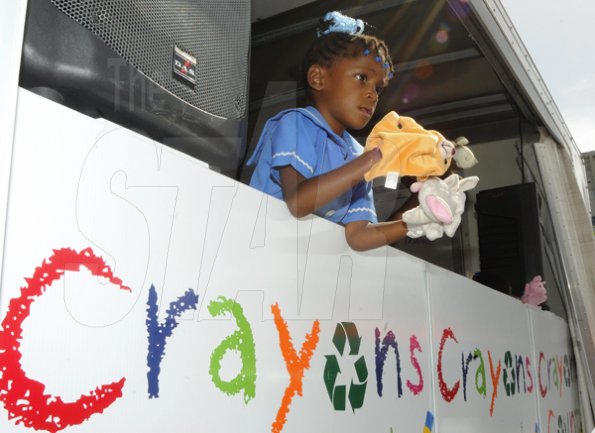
339, 23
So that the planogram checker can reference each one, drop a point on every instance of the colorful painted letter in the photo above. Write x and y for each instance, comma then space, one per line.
448, 394
241, 341
389, 340
158, 333
414, 345
24, 398
296, 365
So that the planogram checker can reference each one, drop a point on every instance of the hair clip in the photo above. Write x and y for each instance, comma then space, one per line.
390, 75
366, 52
339, 23
385, 66
378, 59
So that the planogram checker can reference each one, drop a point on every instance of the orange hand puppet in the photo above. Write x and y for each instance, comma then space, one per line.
408, 149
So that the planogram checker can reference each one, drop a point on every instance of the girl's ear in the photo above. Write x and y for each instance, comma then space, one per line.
316, 75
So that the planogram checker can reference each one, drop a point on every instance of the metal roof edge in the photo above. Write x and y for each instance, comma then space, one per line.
498, 27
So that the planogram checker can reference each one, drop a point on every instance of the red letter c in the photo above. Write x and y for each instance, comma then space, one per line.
447, 394
24, 398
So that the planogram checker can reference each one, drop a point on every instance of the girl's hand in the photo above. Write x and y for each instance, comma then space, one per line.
374, 155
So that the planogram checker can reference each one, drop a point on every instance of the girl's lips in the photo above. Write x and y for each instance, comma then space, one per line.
367, 111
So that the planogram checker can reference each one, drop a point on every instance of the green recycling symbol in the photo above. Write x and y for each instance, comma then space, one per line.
346, 332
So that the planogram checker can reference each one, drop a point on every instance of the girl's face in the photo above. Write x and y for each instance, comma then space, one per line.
348, 91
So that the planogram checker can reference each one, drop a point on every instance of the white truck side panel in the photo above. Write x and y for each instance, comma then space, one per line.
199, 318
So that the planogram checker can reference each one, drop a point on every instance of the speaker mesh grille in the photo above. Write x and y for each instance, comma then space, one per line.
144, 32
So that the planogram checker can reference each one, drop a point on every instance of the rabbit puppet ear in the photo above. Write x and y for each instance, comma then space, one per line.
452, 182
461, 141
468, 183
439, 208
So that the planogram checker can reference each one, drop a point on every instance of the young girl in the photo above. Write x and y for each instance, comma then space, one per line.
306, 157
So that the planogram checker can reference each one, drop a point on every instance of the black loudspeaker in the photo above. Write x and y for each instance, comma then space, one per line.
509, 234
175, 70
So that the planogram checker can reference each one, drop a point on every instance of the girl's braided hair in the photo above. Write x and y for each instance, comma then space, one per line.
328, 47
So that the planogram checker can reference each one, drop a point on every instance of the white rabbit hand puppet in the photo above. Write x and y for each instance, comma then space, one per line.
441, 204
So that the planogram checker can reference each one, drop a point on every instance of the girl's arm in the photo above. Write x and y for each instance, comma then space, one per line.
303, 196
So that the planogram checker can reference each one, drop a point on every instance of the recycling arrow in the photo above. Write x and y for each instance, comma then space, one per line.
331, 371
346, 333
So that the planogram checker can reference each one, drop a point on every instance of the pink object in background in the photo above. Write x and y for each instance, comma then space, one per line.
535, 293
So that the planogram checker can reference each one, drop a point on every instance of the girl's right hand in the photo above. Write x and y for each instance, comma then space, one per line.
374, 156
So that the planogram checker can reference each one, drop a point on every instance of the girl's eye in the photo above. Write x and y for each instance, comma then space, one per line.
361, 77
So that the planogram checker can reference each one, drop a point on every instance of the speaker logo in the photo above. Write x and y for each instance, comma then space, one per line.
184, 67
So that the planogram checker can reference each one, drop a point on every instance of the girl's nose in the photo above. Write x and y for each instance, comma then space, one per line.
372, 94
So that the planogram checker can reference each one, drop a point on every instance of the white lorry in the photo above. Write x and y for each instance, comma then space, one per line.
145, 287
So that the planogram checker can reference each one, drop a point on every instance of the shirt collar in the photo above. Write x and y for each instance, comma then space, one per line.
343, 139
346, 141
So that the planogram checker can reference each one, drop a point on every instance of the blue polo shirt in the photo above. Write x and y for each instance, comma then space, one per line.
301, 138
